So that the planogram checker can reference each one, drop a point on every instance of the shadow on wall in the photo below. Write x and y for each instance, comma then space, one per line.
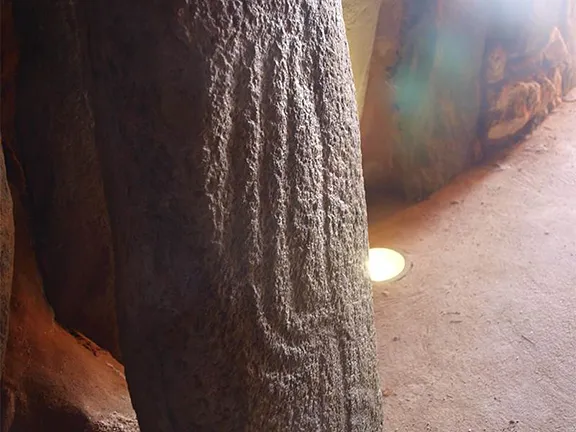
450, 81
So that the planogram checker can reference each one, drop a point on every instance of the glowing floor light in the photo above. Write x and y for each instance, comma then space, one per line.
385, 264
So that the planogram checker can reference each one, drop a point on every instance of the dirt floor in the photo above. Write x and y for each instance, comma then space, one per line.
480, 335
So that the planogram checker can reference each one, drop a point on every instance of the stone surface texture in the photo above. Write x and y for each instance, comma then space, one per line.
6, 257
435, 103
438, 94
423, 101
379, 121
55, 147
53, 381
528, 69
568, 29
361, 18
231, 157
9, 61
214, 145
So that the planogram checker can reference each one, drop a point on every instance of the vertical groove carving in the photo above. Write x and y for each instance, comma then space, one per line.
230, 145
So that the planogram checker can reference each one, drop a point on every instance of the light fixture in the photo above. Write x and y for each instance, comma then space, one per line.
385, 264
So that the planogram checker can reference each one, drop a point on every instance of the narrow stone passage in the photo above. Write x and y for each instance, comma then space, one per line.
480, 335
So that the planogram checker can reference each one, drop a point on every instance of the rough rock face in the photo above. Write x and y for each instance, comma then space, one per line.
525, 76
52, 381
6, 256
423, 101
457, 78
437, 93
55, 146
379, 122
9, 61
361, 18
568, 29
232, 168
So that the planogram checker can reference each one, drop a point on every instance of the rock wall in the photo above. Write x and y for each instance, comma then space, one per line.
379, 120
361, 17
55, 148
456, 80
53, 381
9, 61
568, 30
527, 70
6, 257
422, 124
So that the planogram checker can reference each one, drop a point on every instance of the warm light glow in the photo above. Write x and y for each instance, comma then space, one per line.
385, 264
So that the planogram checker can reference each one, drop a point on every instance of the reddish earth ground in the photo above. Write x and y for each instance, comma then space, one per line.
480, 335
